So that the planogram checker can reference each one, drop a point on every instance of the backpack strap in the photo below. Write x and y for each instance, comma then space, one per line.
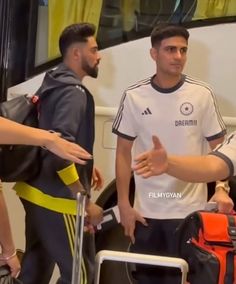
229, 274
232, 229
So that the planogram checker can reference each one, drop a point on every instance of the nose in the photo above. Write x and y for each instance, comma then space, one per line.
178, 53
99, 56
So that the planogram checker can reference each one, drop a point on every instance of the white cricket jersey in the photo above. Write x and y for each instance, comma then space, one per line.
184, 117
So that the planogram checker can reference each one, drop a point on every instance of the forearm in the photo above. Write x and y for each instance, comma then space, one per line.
197, 169
213, 144
123, 176
6, 240
14, 133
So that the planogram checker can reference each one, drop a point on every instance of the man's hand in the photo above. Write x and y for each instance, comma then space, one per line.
128, 218
97, 180
13, 262
94, 213
224, 203
153, 162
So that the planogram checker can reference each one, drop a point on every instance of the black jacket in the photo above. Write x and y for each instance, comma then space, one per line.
67, 107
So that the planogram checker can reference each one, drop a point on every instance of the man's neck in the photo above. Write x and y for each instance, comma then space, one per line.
166, 82
80, 74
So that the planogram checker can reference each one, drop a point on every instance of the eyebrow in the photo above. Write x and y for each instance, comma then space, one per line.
94, 47
185, 48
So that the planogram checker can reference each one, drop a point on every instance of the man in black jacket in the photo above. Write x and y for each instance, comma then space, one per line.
66, 107
14, 133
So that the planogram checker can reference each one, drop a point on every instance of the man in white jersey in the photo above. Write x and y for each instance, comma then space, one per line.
184, 114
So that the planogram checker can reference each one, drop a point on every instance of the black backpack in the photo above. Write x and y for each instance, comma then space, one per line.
20, 162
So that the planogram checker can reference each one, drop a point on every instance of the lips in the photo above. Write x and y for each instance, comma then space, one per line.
177, 65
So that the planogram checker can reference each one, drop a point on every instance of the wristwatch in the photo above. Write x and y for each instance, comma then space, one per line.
224, 185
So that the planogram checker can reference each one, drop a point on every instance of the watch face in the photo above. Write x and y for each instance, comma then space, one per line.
223, 185
227, 188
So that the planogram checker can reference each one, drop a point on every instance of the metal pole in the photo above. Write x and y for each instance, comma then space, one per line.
79, 231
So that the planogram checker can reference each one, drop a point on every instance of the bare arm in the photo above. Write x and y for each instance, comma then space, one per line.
128, 215
193, 169
197, 168
123, 170
14, 133
224, 203
6, 242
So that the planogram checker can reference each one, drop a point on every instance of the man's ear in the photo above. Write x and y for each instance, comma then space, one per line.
154, 53
76, 52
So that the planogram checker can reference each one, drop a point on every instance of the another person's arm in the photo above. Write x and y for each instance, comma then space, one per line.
14, 133
8, 254
221, 196
188, 168
198, 169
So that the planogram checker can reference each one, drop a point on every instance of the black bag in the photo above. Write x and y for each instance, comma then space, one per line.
207, 241
5, 276
20, 162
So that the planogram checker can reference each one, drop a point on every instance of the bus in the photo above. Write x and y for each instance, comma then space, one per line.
29, 48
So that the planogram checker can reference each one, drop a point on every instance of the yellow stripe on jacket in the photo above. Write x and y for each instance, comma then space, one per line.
34, 195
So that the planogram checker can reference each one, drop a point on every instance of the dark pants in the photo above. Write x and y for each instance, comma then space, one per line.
157, 239
49, 241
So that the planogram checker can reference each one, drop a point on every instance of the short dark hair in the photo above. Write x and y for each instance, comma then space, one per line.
75, 33
163, 31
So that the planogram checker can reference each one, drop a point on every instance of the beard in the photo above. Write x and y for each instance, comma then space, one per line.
90, 71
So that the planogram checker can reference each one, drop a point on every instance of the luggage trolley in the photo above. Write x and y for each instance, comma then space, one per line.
139, 258
114, 255
79, 231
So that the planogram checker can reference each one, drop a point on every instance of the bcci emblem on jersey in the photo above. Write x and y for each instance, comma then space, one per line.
186, 108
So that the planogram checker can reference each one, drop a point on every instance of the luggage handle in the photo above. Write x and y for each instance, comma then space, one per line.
140, 258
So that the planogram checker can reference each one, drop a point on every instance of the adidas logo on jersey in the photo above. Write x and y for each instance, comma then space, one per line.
146, 111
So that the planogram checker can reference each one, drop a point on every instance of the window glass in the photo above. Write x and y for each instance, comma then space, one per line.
120, 21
